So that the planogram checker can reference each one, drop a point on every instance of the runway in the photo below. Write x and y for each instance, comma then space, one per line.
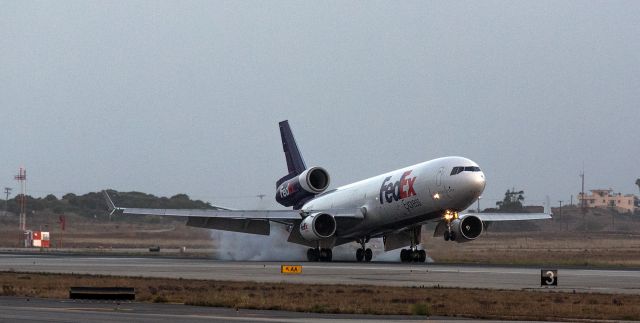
20, 309
386, 274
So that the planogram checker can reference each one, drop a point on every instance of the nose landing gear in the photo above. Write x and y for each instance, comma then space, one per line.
448, 217
449, 235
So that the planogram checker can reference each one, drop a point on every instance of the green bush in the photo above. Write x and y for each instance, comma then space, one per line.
420, 309
160, 299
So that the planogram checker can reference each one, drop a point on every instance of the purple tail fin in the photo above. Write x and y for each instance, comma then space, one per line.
295, 162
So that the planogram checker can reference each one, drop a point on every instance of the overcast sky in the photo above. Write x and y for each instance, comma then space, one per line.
171, 97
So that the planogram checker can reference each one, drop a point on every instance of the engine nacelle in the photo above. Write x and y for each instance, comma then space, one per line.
312, 181
318, 226
467, 228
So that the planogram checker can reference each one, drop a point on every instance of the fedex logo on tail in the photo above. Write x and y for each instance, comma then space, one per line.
286, 189
398, 190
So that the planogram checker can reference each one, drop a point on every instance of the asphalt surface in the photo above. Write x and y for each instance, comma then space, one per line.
386, 274
16, 309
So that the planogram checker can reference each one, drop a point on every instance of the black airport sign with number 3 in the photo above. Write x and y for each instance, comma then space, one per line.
548, 277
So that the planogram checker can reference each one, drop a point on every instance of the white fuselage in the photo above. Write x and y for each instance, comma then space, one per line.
404, 197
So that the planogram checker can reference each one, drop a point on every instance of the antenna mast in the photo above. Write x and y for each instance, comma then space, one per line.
582, 201
22, 178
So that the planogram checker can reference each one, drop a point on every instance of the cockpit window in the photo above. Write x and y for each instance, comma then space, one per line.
460, 169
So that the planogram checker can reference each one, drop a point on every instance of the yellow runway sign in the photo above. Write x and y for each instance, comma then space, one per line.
289, 269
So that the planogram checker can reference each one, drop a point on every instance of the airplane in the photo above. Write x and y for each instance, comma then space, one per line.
393, 205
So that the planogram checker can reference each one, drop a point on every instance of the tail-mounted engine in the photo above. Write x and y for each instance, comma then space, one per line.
467, 228
298, 189
318, 226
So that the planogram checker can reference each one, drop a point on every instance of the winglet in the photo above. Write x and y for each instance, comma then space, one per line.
547, 206
112, 207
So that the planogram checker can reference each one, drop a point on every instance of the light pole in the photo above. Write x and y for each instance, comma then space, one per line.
560, 215
571, 204
582, 201
7, 191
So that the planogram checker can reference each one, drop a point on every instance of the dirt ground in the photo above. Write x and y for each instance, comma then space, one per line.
453, 302
100, 232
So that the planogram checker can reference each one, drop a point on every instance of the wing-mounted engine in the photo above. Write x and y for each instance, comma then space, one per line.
318, 226
298, 189
467, 228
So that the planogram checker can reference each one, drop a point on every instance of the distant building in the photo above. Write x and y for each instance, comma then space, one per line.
607, 199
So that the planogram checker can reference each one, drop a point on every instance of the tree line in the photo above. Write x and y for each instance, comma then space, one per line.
93, 203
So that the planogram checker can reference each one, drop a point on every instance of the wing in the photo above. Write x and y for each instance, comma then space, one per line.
272, 215
246, 221
495, 217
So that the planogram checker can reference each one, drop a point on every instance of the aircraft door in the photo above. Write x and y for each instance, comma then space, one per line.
439, 176
436, 189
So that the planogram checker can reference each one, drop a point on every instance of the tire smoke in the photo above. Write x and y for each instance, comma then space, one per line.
243, 246
251, 247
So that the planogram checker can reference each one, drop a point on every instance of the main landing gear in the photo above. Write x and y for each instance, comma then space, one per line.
413, 254
364, 253
319, 254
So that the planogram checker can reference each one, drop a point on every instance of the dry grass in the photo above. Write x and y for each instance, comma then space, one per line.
474, 303
541, 248
130, 232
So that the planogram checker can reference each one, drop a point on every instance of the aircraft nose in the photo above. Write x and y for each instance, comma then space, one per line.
479, 183
473, 186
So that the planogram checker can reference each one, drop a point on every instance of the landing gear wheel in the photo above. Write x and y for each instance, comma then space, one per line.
368, 255
415, 255
452, 236
422, 256
404, 255
409, 255
312, 254
359, 254
447, 236
363, 253
325, 254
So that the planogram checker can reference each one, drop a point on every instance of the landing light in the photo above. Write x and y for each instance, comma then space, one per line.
436, 196
450, 215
